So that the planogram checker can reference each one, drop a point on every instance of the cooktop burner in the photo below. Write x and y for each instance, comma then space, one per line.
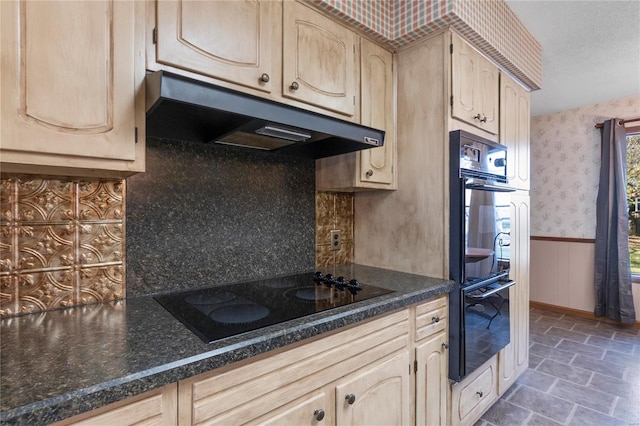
217, 312
239, 314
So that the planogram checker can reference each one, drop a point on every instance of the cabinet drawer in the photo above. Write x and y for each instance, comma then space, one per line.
475, 394
431, 317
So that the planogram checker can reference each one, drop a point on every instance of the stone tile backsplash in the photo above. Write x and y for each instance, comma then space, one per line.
62, 242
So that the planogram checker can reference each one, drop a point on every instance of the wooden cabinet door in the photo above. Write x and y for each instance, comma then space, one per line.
432, 381
378, 395
226, 40
513, 360
312, 410
464, 71
68, 80
489, 95
515, 131
319, 60
377, 111
475, 87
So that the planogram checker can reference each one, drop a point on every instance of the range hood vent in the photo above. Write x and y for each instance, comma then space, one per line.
181, 108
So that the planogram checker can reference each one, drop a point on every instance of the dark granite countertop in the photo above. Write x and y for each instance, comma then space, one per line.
61, 363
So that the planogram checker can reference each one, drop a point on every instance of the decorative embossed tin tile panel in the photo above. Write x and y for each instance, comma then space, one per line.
62, 242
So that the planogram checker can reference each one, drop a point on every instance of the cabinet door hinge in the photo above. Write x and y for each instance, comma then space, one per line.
451, 100
451, 48
415, 366
135, 134
354, 99
155, 35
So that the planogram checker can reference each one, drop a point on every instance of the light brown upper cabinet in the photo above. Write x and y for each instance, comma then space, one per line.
373, 168
475, 87
515, 131
72, 98
227, 40
319, 60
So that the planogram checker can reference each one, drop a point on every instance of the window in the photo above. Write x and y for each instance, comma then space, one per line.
633, 198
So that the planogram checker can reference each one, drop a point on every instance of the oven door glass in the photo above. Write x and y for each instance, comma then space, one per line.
485, 288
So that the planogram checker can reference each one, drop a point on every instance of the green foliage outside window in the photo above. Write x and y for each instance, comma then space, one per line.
633, 198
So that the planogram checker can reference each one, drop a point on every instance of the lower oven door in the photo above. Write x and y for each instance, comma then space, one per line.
486, 321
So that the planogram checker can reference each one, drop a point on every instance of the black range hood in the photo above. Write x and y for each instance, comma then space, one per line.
181, 108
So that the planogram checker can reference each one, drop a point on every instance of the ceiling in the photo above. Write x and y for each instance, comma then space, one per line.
590, 50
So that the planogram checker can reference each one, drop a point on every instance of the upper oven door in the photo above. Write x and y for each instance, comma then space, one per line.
487, 231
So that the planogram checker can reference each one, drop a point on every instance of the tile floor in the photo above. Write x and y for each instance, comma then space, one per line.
581, 372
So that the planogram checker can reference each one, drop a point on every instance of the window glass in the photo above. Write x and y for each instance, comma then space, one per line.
633, 198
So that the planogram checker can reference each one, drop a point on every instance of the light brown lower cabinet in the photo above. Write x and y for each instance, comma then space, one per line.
360, 375
156, 407
471, 397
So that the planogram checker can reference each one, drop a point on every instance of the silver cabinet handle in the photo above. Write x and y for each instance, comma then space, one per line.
294, 86
351, 398
318, 414
479, 393
369, 173
483, 119
436, 319
265, 78
445, 346
477, 117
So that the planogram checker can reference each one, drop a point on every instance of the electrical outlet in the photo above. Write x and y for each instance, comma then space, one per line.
335, 239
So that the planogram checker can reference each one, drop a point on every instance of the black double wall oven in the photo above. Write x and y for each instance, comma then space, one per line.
480, 249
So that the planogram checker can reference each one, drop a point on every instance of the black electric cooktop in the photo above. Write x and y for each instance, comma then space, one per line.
217, 312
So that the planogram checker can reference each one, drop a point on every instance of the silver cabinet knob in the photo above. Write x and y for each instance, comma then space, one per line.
436, 319
369, 173
351, 398
294, 86
445, 346
265, 78
483, 119
479, 393
477, 117
318, 414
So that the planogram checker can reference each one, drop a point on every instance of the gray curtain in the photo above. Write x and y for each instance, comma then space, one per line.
612, 270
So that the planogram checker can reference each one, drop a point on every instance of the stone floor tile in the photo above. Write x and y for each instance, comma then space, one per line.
567, 334
551, 353
618, 387
616, 357
538, 420
626, 338
627, 410
620, 328
555, 322
536, 379
598, 366
534, 361
586, 417
581, 348
538, 327
610, 344
565, 372
505, 413
546, 313
605, 333
509, 391
632, 375
542, 403
584, 396
544, 339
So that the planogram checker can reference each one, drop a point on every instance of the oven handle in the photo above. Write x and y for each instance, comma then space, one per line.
484, 295
489, 187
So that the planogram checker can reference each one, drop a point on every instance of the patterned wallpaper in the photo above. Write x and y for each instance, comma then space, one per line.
565, 165
62, 243
489, 25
